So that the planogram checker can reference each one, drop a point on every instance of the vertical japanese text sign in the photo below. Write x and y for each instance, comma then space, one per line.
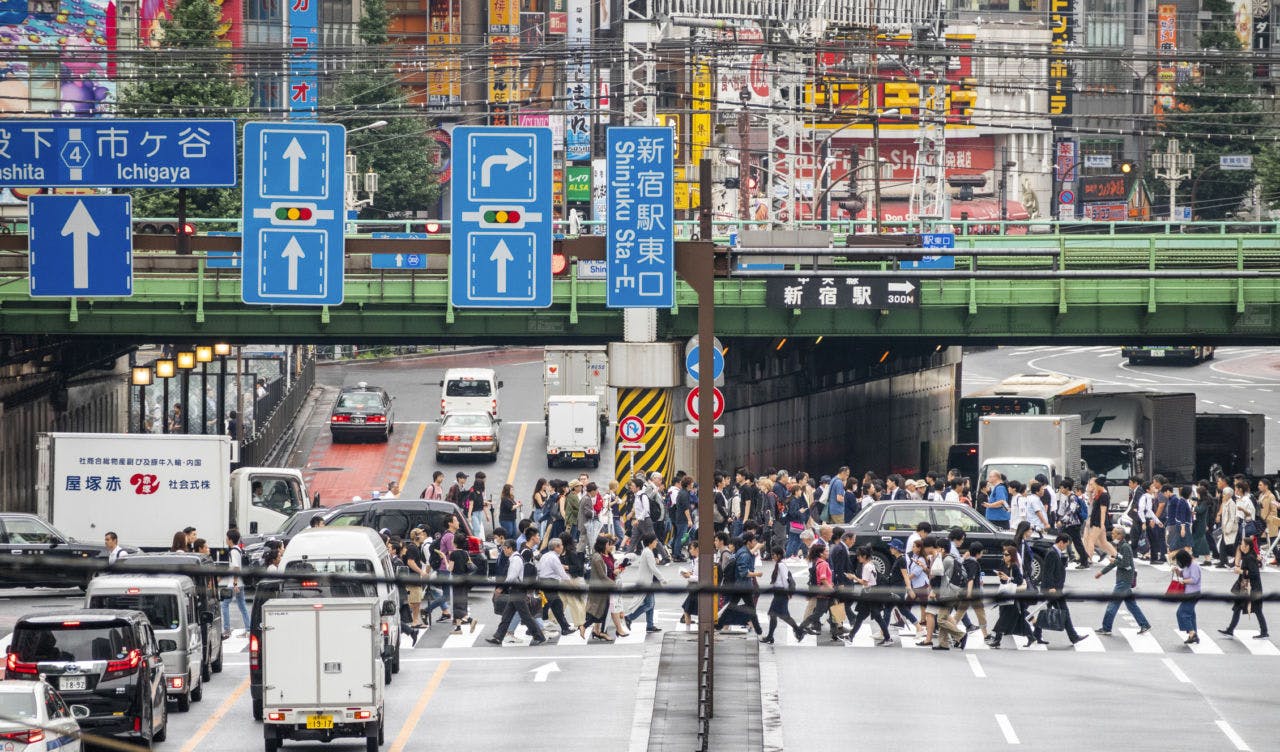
304, 35
641, 248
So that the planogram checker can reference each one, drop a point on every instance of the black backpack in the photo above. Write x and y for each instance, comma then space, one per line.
959, 575
655, 509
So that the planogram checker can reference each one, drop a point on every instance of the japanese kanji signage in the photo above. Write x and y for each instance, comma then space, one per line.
842, 292
304, 35
104, 153
578, 86
1105, 188
1062, 23
641, 247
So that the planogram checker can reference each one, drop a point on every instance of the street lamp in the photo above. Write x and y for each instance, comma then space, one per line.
141, 378
164, 370
354, 183
204, 354
1174, 165
222, 350
186, 362
825, 150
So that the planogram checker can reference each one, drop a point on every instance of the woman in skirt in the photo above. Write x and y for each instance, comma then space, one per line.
783, 583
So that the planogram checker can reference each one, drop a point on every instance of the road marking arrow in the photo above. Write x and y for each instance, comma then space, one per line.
293, 252
541, 673
80, 226
294, 153
512, 159
901, 287
502, 256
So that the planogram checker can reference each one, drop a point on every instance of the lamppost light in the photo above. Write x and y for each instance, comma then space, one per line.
186, 360
222, 349
164, 369
204, 354
141, 376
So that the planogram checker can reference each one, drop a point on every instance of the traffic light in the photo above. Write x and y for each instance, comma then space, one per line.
293, 213
502, 217
559, 264
1126, 167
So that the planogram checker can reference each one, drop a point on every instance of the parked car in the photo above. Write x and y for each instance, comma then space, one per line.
468, 434
108, 662
37, 719
362, 411
26, 538
880, 523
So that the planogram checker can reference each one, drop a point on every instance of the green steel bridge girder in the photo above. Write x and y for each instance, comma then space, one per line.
400, 308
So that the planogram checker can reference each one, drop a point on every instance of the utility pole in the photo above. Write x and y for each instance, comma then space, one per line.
475, 62
929, 200
1173, 165
744, 157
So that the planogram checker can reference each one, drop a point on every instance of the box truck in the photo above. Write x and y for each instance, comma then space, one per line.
149, 486
572, 371
1231, 442
1022, 447
575, 433
1135, 434
322, 671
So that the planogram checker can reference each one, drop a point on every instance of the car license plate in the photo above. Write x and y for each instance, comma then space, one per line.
1157, 353
319, 721
461, 448
72, 683
358, 419
577, 455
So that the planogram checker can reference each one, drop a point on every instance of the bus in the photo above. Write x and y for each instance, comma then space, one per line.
1190, 354
1022, 394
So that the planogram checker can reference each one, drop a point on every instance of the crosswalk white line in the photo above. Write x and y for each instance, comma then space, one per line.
572, 639
232, 644
464, 640
1257, 647
1206, 646
1141, 643
1021, 642
975, 642
1091, 643
634, 637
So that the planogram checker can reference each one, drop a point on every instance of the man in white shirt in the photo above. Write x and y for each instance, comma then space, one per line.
551, 570
953, 493
114, 552
1017, 503
1033, 508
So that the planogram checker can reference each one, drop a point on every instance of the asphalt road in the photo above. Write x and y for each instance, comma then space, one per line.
1238, 379
341, 471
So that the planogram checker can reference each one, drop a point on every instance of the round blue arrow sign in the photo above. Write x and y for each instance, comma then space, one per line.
717, 361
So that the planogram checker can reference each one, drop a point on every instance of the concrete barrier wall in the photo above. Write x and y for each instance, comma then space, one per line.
901, 422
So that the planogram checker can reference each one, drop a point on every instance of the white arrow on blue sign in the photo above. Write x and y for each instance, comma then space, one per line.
294, 202
691, 356
501, 234
415, 261
81, 246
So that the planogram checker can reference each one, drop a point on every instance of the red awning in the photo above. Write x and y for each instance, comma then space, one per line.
977, 210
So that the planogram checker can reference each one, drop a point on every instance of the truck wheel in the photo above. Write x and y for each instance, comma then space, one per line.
257, 710
386, 672
382, 732
371, 744
271, 745
551, 461
184, 703
595, 462
395, 661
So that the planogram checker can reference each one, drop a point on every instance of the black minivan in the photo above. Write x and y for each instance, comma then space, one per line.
106, 661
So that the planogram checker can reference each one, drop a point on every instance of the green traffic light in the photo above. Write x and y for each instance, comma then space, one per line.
491, 216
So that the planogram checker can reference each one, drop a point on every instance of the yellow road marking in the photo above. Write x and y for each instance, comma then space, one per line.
409, 725
194, 742
413, 452
515, 457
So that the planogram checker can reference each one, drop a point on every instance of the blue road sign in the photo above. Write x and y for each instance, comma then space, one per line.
641, 194
222, 259
294, 204
411, 261
939, 240
76, 152
81, 246
691, 362
400, 236
500, 241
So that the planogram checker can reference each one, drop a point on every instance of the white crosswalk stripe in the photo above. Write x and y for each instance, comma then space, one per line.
1141, 643
466, 639
1091, 642
1257, 647
1206, 646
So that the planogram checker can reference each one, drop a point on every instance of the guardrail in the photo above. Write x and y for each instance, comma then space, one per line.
269, 432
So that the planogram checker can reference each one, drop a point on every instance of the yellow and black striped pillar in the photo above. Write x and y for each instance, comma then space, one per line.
653, 406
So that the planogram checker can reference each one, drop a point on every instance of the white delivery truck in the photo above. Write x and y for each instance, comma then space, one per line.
322, 671
1020, 447
575, 434
146, 487
576, 370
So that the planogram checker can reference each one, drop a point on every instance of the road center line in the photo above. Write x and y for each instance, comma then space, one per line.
515, 456
209, 723
977, 667
412, 722
413, 453
1233, 736
1006, 728
1177, 672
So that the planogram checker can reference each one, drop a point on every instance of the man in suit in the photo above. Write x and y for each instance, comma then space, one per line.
1053, 579
842, 566
894, 490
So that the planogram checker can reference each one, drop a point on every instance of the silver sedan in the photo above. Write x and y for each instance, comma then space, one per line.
468, 434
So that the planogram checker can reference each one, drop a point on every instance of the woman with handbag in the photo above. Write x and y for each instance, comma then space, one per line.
1013, 615
782, 583
796, 516
820, 575
1186, 574
1248, 586
598, 601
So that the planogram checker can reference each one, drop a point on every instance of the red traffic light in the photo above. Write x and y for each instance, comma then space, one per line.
559, 264
188, 228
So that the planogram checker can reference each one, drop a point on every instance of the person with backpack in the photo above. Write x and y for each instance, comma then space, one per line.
1071, 514
866, 580
457, 493
553, 513
740, 572
896, 581
572, 507
1126, 581
835, 497
783, 584
972, 591
514, 595
946, 577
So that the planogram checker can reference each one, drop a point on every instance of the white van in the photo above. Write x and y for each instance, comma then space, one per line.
352, 550
469, 390
169, 601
